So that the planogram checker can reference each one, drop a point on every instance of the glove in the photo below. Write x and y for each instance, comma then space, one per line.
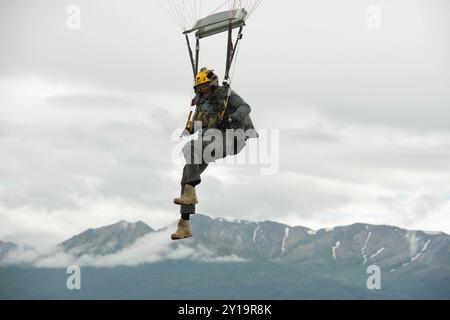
185, 133
225, 123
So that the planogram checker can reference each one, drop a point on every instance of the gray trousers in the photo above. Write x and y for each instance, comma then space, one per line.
199, 154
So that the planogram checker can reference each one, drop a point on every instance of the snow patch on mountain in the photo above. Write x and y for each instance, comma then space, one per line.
425, 247
283, 244
255, 233
377, 253
417, 256
363, 249
432, 233
333, 250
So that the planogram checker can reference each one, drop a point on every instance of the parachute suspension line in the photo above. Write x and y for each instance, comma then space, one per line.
196, 10
219, 7
188, 13
253, 7
193, 13
249, 5
169, 13
246, 3
240, 4
185, 13
177, 13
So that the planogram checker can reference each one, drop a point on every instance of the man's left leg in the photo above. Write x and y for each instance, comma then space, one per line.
190, 208
184, 229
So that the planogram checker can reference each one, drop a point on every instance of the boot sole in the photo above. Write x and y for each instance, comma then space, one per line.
184, 204
174, 238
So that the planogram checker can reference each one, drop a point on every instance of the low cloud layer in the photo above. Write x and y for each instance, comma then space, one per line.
151, 248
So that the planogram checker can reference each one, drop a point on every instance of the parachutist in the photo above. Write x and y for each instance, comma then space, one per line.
218, 110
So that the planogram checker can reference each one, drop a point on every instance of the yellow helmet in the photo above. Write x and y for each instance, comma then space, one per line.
205, 75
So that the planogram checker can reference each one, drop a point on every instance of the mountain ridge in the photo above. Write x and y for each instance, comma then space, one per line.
263, 259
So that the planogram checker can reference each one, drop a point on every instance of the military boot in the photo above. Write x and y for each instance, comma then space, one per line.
184, 230
189, 197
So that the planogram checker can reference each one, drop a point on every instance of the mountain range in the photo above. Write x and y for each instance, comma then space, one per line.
247, 259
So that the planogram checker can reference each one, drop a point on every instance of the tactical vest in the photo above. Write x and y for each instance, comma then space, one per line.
211, 117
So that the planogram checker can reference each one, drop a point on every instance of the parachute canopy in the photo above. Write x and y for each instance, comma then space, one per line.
186, 13
207, 18
219, 22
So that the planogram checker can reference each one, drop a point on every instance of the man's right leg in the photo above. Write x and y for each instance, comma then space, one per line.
191, 178
193, 155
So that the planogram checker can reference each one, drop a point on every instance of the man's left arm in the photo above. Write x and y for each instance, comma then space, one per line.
242, 109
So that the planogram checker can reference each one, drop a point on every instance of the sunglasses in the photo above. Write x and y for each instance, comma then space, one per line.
204, 86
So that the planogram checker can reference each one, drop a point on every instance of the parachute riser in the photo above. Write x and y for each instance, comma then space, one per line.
197, 54
231, 50
191, 56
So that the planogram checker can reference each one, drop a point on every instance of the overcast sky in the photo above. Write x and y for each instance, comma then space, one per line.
86, 116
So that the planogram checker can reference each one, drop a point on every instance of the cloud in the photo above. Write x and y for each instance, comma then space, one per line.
412, 207
338, 180
151, 248
86, 117
53, 159
20, 255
